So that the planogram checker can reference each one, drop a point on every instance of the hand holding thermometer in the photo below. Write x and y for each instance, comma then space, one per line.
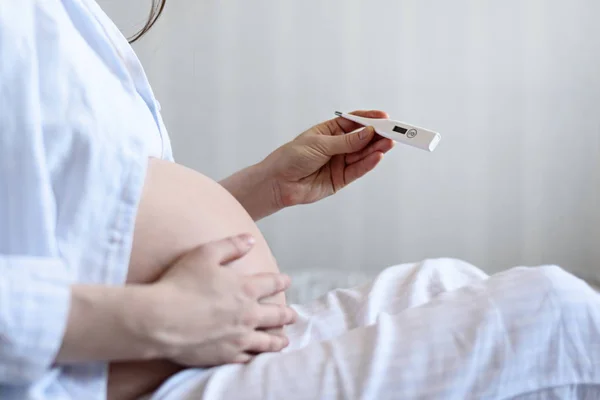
398, 131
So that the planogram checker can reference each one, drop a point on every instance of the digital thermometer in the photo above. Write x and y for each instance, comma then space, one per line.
398, 131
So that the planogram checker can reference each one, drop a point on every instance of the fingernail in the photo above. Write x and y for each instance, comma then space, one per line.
291, 316
247, 239
243, 359
363, 134
281, 344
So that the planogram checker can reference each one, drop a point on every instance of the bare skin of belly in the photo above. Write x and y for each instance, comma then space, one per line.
179, 210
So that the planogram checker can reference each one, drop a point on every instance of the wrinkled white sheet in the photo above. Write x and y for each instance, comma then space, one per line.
440, 329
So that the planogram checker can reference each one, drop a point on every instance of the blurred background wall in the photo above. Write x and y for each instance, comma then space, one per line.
513, 87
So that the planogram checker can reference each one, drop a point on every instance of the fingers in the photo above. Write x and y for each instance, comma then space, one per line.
338, 166
380, 144
262, 342
264, 285
242, 358
271, 316
340, 125
348, 143
360, 168
258, 342
278, 331
226, 250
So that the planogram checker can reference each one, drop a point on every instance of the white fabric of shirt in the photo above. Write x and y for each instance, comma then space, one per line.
78, 121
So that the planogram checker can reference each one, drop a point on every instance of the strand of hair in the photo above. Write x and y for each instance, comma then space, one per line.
155, 11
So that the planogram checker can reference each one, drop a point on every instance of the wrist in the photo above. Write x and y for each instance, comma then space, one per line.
267, 184
256, 188
143, 318
99, 314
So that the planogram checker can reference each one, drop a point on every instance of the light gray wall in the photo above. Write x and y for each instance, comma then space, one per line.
513, 86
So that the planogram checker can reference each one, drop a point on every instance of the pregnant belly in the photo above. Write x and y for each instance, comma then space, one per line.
181, 209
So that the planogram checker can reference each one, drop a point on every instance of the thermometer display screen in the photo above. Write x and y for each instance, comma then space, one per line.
400, 129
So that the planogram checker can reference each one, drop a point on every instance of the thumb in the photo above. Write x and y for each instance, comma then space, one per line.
227, 250
349, 142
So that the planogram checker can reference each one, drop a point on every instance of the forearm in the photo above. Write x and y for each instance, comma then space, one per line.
255, 190
109, 324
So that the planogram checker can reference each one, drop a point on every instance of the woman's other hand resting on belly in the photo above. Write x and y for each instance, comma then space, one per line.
213, 314
202, 313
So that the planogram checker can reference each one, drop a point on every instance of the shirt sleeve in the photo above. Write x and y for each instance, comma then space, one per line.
34, 307
72, 165
34, 279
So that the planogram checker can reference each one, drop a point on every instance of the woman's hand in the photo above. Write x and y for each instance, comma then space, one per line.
316, 164
204, 314
208, 314
201, 312
325, 159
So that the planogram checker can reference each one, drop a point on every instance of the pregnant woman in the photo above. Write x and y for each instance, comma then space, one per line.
124, 274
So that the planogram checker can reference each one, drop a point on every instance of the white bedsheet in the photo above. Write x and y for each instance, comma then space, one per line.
440, 329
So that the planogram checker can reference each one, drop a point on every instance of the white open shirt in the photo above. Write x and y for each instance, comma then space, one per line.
78, 121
